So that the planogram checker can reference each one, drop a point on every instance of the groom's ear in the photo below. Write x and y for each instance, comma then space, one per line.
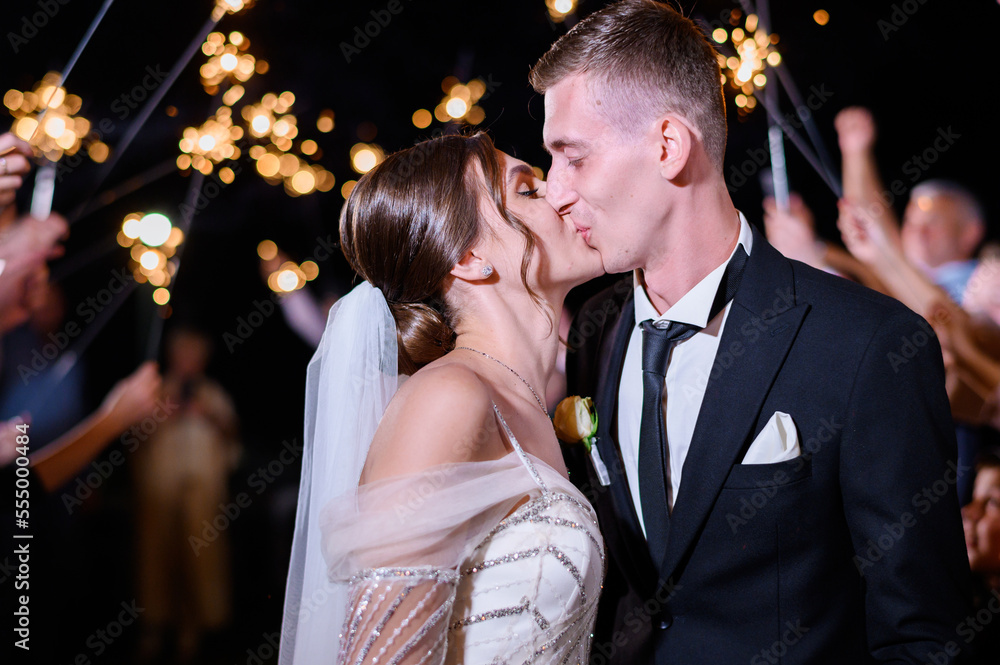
470, 267
675, 141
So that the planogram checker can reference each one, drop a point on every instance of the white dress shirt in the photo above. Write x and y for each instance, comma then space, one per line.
687, 374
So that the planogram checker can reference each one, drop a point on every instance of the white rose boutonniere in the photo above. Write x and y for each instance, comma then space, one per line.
575, 421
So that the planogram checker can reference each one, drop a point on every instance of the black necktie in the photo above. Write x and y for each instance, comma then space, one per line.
653, 453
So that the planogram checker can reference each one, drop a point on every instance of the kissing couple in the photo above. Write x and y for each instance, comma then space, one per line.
755, 451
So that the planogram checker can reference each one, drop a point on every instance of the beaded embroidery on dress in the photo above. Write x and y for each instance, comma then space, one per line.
480, 584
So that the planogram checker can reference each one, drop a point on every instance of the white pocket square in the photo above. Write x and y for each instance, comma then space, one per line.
777, 442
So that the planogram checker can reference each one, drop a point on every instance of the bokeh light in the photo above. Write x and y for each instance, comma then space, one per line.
365, 157
63, 132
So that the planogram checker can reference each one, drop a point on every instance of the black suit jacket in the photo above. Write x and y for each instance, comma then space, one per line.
851, 553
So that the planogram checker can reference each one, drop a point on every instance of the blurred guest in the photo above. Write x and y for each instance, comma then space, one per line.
981, 520
29, 378
55, 527
942, 227
181, 476
943, 222
982, 293
926, 264
132, 399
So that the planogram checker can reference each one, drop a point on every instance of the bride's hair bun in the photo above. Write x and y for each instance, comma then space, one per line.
422, 333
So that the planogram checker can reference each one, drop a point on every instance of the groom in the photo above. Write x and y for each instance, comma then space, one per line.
781, 490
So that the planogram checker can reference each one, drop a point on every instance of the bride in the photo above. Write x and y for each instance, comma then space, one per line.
436, 523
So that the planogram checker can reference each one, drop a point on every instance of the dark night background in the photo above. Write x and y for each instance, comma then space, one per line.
930, 74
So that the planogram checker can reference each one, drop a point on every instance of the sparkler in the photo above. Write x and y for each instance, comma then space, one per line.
228, 60
752, 52
289, 276
458, 105
222, 7
211, 143
44, 117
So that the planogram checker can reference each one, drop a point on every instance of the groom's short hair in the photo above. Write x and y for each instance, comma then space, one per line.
648, 59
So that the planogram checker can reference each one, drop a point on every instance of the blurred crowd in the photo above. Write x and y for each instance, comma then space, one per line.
180, 424
936, 262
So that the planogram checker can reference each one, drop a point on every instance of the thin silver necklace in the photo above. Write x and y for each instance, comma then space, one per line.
537, 398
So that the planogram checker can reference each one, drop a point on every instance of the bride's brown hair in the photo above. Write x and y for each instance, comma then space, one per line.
408, 222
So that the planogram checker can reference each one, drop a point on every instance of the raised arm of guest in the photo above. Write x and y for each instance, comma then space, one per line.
132, 399
969, 363
863, 185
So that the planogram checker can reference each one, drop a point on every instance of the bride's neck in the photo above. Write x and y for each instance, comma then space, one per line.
524, 336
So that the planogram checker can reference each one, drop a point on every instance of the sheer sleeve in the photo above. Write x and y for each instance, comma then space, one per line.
398, 545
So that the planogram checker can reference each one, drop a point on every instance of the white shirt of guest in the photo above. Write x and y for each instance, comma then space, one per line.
688, 369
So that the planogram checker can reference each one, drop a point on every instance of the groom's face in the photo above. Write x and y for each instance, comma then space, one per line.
602, 179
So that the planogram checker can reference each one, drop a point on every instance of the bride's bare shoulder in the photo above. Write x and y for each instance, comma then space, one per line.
442, 414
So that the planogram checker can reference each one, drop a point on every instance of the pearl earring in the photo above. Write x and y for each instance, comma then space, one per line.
487, 270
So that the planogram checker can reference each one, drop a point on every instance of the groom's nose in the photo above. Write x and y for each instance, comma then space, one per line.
558, 192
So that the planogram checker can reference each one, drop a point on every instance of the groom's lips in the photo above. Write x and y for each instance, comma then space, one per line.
584, 231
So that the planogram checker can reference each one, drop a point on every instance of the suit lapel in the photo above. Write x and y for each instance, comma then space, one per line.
630, 547
735, 395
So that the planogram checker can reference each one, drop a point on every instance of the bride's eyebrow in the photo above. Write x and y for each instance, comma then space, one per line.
518, 170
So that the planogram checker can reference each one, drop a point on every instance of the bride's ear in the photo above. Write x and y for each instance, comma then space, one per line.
472, 268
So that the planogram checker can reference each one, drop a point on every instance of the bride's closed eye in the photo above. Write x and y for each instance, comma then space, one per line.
529, 192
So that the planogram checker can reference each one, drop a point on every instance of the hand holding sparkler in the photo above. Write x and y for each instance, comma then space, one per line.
134, 397
14, 154
24, 249
792, 232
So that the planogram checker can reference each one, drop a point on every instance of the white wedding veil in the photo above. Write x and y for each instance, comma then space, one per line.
349, 382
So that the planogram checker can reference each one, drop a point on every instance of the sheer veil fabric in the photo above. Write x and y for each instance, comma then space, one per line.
349, 382
393, 570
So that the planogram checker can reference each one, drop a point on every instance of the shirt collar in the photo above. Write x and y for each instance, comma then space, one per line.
695, 305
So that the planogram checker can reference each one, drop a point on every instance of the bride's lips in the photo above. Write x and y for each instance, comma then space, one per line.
583, 231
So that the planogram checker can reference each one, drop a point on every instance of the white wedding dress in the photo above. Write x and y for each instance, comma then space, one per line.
442, 568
